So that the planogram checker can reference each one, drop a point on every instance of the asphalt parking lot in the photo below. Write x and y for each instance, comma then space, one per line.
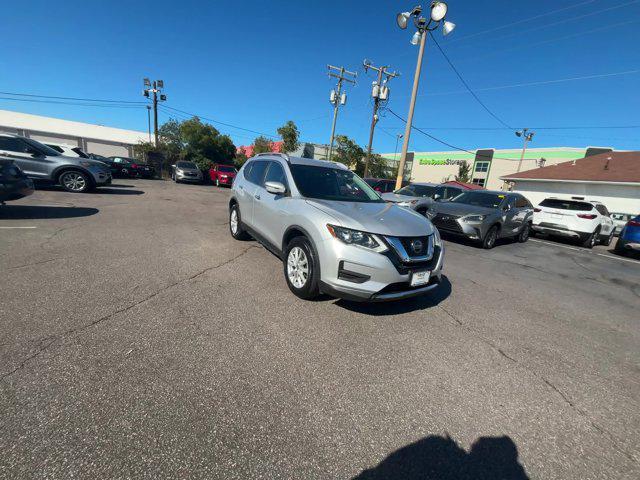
139, 340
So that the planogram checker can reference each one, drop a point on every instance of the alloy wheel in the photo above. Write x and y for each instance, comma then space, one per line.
74, 181
233, 221
297, 267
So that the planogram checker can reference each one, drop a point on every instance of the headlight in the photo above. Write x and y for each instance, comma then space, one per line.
474, 218
358, 238
437, 241
408, 204
179, 171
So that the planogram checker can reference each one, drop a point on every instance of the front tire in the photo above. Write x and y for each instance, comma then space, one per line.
489, 240
607, 241
235, 224
301, 269
74, 181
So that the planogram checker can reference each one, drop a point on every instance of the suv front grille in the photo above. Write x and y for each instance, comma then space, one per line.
447, 222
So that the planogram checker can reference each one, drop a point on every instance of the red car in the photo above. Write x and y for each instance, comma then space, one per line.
223, 174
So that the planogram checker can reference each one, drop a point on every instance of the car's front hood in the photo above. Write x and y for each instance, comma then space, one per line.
382, 218
461, 209
395, 198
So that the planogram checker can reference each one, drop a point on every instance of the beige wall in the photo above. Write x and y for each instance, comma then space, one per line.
433, 173
617, 198
502, 167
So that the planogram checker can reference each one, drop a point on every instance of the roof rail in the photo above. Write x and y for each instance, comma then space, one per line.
283, 155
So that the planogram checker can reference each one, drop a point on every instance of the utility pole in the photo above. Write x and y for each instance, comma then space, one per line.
527, 137
337, 97
380, 93
154, 88
149, 122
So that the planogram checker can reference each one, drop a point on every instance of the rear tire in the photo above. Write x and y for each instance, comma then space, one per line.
590, 240
607, 241
524, 234
489, 240
235, 224
300, 267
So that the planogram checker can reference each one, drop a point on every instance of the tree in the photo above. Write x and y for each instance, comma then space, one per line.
289, 133
262, 145
241, 157
352, 155
203, 144
464, 172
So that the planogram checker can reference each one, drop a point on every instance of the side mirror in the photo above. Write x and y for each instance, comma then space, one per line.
275, 187
437, 197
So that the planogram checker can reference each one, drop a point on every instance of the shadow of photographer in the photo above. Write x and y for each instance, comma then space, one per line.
441, 458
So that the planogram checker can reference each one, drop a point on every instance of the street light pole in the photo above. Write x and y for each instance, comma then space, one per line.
438, 12
149, 121
412, 106
527, 137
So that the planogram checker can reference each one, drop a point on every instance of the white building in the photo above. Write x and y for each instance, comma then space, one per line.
612, 178
107, 141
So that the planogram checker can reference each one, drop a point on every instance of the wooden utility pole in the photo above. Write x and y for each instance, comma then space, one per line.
380, 93
338, 98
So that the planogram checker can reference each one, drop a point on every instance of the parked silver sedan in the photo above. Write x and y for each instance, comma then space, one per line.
184, 171
421, 196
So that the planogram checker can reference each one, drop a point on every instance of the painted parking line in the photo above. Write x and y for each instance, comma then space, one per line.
11, 228
575, 249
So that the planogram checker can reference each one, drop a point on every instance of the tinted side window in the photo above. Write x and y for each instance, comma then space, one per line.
12, 144
276, 174
603, 210
511, 202
522, 202
257, 172
247, 170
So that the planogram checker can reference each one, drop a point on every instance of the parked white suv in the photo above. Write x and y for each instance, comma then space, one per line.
72, 151
586, 221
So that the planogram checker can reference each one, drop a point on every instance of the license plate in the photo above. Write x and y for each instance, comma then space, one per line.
420, 278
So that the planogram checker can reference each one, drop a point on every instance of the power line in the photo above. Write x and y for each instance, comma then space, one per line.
219, 122
526, 20
466, 84
604, 127
455, 147
71, 98
30, 100
538, 83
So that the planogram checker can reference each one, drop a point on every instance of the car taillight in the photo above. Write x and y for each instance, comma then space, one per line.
377, 189
588, 216
134, 165
537, 209
633, 223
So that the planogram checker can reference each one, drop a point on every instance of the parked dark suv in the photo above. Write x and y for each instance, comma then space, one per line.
43, 163
484, 216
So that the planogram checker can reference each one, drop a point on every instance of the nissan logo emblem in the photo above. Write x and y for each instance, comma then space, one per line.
416, 246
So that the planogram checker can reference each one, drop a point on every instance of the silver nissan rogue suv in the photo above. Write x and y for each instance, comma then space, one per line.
333, 232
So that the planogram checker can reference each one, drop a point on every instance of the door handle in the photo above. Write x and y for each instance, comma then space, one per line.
257, 196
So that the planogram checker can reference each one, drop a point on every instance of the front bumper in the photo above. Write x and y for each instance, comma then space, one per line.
183, 177
358, 274
101, 177
455, 226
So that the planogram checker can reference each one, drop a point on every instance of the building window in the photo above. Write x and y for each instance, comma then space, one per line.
482, 166
478, 181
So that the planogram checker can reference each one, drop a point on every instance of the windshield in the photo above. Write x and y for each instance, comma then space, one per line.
332, 184
186, 165
48, 151
416, 190
480, 199
566, 205
222, 168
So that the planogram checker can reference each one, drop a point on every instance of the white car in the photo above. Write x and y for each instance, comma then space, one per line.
72, 151
586, 221
620, 220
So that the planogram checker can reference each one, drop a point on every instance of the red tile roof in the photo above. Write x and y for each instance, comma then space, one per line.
605, 167
468, 186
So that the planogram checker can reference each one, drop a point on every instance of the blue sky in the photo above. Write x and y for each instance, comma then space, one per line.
257, 64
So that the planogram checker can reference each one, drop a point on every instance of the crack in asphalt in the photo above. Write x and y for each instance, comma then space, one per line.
47, 342
554, 388
35, 263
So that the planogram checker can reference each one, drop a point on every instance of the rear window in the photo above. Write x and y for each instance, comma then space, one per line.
572, 205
